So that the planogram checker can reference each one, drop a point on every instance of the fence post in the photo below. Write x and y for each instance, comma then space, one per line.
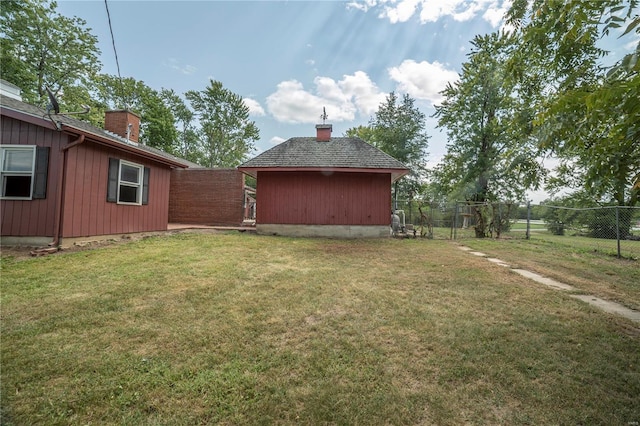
454, 224
618, 229
528, 219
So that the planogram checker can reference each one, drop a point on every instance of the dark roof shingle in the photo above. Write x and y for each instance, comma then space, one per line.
23, 107
340, 152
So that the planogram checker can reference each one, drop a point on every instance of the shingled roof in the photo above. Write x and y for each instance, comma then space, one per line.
338, 154
71, 124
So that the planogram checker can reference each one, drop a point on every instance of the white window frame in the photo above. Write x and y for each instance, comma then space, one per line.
138, 185
3, 173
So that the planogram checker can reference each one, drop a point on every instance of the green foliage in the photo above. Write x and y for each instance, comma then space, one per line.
41, 48
590, 116
579, 213
398, 128
226, 133
157, 127
489, 156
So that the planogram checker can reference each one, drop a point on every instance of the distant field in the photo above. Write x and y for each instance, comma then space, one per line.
244, 329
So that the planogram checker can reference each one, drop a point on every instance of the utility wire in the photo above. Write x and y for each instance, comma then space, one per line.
113, 41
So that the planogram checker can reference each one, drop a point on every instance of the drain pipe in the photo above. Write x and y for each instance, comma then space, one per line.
57, 231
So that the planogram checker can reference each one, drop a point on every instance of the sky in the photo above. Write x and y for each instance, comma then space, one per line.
290, 59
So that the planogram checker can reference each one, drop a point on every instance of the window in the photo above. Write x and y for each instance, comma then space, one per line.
128, 183
24, 171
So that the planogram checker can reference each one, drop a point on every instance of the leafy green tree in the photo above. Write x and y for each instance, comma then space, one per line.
366, 133
490, 154
226, 134
590, 114
398, 128
157, 121
40, 48
188, 142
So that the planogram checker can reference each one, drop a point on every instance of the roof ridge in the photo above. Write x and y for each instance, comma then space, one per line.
84, 126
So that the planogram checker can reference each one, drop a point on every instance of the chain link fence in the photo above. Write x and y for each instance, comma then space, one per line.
611, 230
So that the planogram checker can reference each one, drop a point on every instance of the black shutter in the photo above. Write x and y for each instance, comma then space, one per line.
40, 173
112, 182
145, 186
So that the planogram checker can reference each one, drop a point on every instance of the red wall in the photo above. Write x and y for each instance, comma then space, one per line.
315, 198
206, 197
32, 218
86, 211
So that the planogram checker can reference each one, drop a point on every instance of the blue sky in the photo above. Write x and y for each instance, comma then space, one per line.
289, 59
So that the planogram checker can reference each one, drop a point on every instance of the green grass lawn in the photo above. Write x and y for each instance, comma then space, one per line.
243, 329
572, 260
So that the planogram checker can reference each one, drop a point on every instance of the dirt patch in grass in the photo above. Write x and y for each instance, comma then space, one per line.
25, 252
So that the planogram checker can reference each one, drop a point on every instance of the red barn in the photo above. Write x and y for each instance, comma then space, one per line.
63, 178
324, 186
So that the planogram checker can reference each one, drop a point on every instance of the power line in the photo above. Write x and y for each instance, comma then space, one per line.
113, 41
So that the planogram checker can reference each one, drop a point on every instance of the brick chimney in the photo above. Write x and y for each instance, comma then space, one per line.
123, 123
324, 132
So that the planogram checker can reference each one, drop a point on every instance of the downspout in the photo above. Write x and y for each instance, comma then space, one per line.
60, 193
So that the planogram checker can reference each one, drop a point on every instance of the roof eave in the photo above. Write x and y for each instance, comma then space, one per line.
396, 173
128, 148
67, 128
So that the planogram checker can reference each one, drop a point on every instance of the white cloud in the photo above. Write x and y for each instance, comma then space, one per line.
343, 99
632, 44
365, 94
254, 107
496, 11
276, 140
184, 69
364, 5
422, 80
310, 62
432, 10
401, 12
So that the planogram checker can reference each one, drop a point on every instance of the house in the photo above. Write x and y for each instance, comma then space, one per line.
324, 186
64, 179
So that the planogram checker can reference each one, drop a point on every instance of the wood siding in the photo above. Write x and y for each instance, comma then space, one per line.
206, 197
86, 211
316, 198
32, 218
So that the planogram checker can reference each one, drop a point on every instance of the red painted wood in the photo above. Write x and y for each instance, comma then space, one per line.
31, 218
316, 198
87, 211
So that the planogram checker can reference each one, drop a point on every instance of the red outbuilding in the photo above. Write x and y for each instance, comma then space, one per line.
324, 186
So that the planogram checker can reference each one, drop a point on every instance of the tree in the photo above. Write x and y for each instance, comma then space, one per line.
188, 143
226, 133
41, 48
490, 155
157, 120
590, 116
398, 128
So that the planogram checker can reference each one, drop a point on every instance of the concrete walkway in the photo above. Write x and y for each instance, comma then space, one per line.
605, 305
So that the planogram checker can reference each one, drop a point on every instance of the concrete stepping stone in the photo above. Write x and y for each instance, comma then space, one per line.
604, 305
498, 262
544, 280
610, 307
